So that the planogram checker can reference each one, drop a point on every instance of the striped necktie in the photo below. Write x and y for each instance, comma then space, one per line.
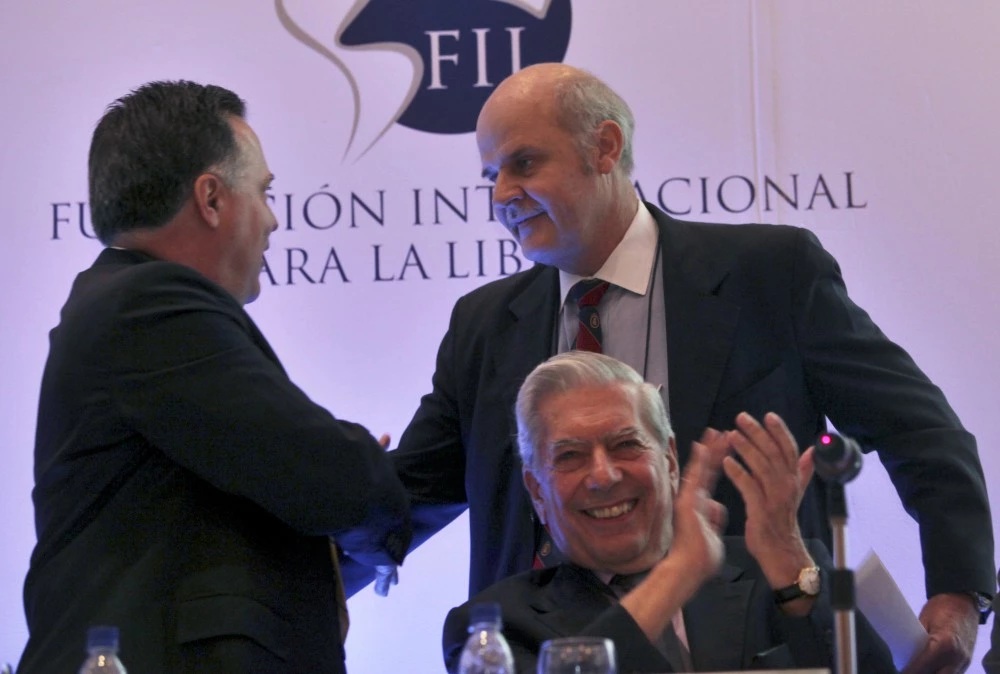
588, 294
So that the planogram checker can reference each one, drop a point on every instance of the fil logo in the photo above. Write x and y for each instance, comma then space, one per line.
426, 64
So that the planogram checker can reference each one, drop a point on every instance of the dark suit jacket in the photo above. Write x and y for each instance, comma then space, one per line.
758, 319
185, 488
732, 623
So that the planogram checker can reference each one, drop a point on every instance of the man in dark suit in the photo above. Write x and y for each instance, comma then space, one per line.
727, 318
186, 490
643, 559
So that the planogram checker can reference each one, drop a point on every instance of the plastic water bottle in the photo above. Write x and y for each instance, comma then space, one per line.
102, 652
486, 650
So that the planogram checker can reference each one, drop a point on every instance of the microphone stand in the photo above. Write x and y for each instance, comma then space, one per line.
838, 461
842, 583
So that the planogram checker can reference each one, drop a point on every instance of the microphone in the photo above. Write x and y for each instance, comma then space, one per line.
837, 458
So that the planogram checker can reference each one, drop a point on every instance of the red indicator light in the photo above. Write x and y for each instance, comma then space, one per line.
826, 440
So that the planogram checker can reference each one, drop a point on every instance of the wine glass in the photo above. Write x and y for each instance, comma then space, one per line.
577, 655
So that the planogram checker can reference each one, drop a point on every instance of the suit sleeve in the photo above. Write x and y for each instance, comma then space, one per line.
871, 389
429, 461
430, 458
190, 378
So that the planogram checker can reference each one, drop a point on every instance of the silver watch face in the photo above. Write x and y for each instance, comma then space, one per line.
809, 581
983, 603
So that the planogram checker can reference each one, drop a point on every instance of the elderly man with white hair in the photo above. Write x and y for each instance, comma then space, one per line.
643, 560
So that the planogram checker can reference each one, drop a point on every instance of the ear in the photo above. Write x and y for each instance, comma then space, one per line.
534, 488
610, 144
675, 468
208, 194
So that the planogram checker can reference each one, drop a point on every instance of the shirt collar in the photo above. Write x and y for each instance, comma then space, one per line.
631, 262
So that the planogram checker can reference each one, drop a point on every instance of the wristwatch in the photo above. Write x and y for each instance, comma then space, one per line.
984, 605
807, 585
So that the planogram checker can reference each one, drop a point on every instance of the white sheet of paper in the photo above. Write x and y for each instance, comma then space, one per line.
882, 602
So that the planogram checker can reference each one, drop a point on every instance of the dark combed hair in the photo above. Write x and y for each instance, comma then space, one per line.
149, 148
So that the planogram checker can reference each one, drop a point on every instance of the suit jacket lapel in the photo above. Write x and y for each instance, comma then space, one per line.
527, 341
523, 344
700, 329
716, 620
573, 599
570, 601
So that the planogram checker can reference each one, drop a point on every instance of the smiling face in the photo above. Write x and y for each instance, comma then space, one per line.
560, 198
600, 483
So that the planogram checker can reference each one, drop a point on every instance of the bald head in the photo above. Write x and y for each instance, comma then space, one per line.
578, 100
540, 80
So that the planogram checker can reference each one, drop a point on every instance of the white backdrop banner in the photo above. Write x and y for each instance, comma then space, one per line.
872, 123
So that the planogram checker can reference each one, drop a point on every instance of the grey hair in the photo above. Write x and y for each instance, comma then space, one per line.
583, 102
575, 369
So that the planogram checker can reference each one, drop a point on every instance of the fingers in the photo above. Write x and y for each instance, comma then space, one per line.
951, 622
698, 479
807, 466
769, 451
765, 449
749, 489
694, 473
771, 480
712, 438
385, 577
698, 520
938, 657
716, 514
384, 440
716, 446
771, 468
788, 447
702, 471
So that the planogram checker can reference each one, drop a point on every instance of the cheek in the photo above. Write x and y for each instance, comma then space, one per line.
569, 222
559, 497
663, 507
550, 197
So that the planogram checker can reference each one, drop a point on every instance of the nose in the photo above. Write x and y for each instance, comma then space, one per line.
505, 191
603, 473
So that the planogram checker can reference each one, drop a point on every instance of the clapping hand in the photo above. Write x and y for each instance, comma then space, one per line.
772, 483
699, 520
773, 486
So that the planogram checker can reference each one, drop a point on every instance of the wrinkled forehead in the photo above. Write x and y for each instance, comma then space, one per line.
513, 111
613, 407
583, 410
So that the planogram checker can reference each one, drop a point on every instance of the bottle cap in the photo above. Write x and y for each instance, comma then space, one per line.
485, 612
102, 636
